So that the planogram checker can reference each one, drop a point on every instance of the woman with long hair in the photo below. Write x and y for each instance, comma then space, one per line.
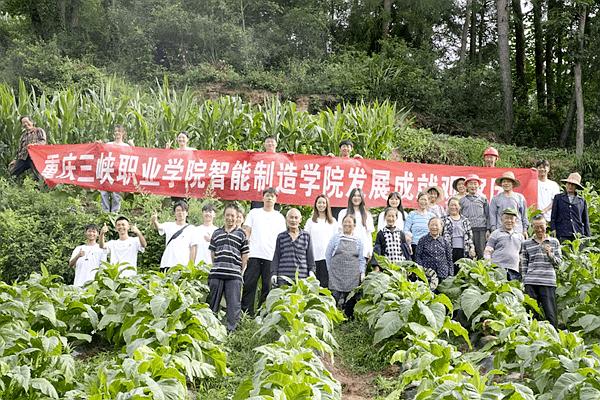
394, 200
321, 227
364, 220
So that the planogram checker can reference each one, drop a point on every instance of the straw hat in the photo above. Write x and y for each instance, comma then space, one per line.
575, 179
437, 189
508, 175
473, 177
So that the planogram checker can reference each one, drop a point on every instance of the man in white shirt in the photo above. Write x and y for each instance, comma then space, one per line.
204, 232
87, 257
125, 249
547, 189
262, 226
180, 245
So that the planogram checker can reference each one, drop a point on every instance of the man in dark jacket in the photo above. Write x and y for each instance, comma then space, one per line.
569, 211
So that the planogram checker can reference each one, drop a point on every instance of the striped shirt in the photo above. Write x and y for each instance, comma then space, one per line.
537, 267
476, 209
293, 256
229, 247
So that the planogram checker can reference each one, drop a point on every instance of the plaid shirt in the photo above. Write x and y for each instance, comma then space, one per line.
35, 136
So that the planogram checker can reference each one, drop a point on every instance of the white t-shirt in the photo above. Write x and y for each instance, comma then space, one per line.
203, 254
382, 224
546, 192
178, 250
125, 251
360, 231
87, 266
265, 228
320, 233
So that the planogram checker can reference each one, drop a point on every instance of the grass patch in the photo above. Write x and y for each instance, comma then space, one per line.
356, 351
240, 359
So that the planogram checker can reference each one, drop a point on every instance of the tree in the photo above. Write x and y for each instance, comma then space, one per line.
579, 137
465, 31
538, 34
504, 61
521, 84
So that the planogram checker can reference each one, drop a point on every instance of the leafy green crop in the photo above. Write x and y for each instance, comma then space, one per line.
285, 371
399, 309
306, 310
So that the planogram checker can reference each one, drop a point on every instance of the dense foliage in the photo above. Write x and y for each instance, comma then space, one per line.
439, 58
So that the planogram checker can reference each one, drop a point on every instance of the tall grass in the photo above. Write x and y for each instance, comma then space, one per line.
153, 117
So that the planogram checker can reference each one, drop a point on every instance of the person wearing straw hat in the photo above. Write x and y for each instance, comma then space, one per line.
475, 207
569, 211
436, 195
503, 247
509, 199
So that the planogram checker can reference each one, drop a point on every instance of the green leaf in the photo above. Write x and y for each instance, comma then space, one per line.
388, 325
589, 322
44, 386
471, 300
159, 304
566, 385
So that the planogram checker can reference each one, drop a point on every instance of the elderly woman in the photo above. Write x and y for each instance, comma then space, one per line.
417, 220
434, 251
458, 232
346, 264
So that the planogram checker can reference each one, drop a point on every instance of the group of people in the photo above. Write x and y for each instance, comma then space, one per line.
336, 244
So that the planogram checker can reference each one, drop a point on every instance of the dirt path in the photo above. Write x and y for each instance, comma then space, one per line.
354, 386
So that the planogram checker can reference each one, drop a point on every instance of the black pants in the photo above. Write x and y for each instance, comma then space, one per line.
23, 165
344, 303
479, 241
546, 298
257, 268
512, 275
232, 289
561, 239
322, 274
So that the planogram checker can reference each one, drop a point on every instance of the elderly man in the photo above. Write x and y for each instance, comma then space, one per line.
504, 245
262, 226
293, 251
539, 256
31, 135
570, 211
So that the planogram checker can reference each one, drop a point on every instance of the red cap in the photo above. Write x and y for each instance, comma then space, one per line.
490, 151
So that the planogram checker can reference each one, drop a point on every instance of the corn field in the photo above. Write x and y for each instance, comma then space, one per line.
153, 117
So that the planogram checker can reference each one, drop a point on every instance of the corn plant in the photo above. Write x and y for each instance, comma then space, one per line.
153, 117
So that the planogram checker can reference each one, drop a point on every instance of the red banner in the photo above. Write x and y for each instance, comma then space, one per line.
236, 175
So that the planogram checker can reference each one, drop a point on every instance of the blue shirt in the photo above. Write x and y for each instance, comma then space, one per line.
417, 224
